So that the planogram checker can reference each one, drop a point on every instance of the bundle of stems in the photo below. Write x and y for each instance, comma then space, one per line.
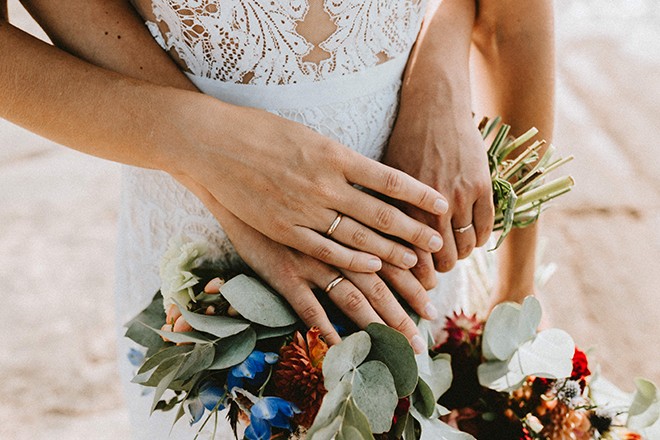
519, 186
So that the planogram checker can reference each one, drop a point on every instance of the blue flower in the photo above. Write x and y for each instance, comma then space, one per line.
252, 370
267, 413
135, 357
210, 396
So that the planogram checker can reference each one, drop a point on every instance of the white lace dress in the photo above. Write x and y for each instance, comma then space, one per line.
250, 53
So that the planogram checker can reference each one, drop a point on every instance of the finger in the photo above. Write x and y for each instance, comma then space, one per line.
307, 307
445, 259
393, 183
386, 218
330, 252
410, 290
358, 236
386, 305
483, 214
424, 270
464, 234
351, 301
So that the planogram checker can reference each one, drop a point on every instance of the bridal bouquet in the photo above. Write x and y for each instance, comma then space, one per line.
234, 345
207, 352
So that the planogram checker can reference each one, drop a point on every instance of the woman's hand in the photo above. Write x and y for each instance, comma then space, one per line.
290, 183
364, 298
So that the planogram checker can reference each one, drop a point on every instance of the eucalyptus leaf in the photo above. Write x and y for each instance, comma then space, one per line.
549, 354
434, 429
152, 316
331, 405
344, 357
356, 418
264, 332
424, 399
338, 410
183, 337
233, 350
257, 303
435, 372
163, 369
408, 430
162, 387
508, 326
375, 394
220, 326
195, 361
645, 408
349, 433
393, 349
162, 355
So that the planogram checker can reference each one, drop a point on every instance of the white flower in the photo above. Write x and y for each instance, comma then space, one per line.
177, 280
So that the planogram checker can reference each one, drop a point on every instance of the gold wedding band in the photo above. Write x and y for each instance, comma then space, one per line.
333, 283
463, 229
334, 225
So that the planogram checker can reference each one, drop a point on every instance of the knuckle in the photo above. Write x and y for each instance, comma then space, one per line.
322, 252
354, 300
359, 237
406, 325
425, 198
445, 264
465, 251
384, 218
393, 182
419, 234
379, 291
311, 314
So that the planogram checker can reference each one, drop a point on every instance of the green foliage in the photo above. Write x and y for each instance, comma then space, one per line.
645, 408
257, 303
513, 349
392, 348
518, 189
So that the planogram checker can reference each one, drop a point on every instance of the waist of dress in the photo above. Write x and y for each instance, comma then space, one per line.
307, 94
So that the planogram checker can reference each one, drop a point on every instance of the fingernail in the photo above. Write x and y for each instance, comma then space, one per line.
435, 243
431, 311
409, 259
374, 264
441, 206
418, 344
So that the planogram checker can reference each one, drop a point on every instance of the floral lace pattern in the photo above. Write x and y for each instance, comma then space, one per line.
257, 42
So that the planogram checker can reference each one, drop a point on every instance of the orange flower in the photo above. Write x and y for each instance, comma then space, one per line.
299, 376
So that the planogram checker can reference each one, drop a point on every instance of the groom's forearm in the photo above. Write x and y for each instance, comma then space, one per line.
437, 77
108, 34
515, 59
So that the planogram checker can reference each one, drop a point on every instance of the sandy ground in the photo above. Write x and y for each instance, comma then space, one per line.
58, 211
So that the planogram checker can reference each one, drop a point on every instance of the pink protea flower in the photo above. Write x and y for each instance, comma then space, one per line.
461, 328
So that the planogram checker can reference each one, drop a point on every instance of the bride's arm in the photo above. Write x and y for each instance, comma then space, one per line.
515, 58
364, 297
244, 160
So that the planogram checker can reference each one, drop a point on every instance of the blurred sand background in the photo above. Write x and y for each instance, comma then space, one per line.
58, 213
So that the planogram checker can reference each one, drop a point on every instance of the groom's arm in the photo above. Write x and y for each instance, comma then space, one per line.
108, 34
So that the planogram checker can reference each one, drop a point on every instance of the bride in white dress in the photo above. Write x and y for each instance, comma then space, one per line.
333, 66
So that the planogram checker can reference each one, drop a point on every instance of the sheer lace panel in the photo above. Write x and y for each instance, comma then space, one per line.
284, 41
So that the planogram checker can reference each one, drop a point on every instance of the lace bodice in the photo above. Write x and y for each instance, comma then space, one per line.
261, 41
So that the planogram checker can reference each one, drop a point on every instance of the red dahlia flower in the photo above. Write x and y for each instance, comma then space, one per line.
299, 375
